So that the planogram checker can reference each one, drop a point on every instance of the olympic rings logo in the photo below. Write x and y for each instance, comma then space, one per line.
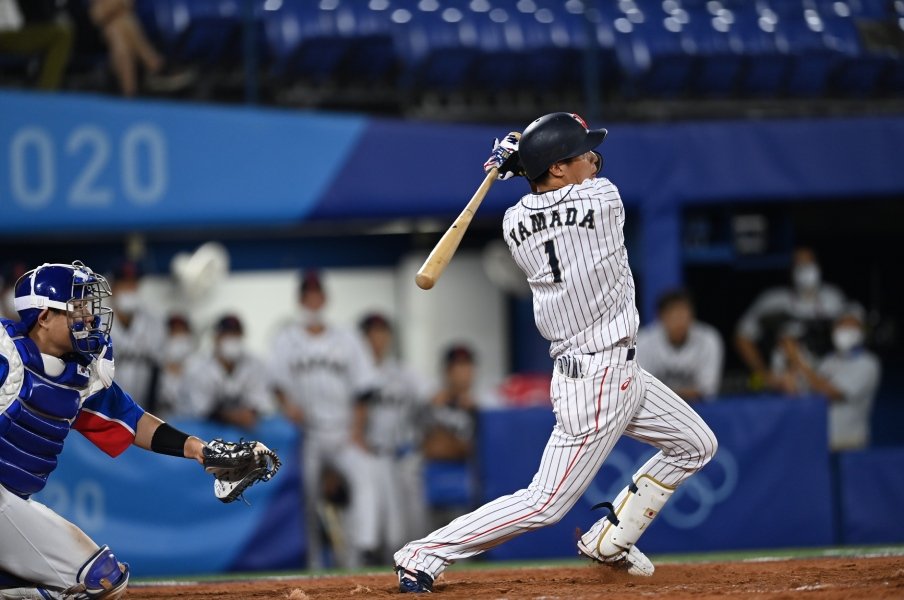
693, 501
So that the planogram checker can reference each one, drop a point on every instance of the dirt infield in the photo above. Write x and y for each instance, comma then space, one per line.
822, 579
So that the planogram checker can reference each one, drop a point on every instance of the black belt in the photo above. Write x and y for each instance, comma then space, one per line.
631, 353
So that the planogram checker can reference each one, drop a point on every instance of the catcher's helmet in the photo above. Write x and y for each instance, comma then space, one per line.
74, 289
554, 137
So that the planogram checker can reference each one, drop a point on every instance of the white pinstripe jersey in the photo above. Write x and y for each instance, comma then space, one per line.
323, 374
571, 245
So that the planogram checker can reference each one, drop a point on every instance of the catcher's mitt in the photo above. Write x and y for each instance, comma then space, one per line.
236, 466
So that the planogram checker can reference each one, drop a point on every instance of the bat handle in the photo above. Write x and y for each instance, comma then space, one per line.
424, 281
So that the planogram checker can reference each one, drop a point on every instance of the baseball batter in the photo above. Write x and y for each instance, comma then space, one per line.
567, 236
56, 374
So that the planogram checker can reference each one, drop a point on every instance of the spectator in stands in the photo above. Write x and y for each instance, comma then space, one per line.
805, 310
681, 351
393, 434
128, 46
172, 399
140, 336
36, 28
325, 378
231, 385
848, 378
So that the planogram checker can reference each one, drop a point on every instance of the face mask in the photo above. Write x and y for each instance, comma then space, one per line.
230, 348
177, 349
127, 302
311, 318
806, 277
847, 338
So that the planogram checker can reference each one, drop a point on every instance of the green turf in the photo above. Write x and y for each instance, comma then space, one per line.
851, 551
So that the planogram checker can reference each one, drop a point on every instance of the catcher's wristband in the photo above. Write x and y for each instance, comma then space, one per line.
169, 440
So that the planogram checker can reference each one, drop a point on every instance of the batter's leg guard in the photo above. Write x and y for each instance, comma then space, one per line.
612, 538
102, 577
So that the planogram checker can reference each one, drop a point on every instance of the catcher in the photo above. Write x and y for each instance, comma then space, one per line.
56, 374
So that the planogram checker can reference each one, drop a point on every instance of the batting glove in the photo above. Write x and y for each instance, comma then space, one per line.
505, 158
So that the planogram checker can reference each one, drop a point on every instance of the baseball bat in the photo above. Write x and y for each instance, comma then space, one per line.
444, 250
442, 253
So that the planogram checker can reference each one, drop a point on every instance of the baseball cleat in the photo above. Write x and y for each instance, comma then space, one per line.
632, 560
413, 582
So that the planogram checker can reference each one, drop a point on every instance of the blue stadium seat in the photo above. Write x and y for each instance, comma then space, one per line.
859, 70
558, 34
719, 51
766, 63
652, 52
198, 31
814, 60
500, 43
331, 39
439, 46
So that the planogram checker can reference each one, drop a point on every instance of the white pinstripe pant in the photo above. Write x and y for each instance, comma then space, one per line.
615, 397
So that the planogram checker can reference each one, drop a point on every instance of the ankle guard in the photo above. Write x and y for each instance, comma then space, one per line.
628, 521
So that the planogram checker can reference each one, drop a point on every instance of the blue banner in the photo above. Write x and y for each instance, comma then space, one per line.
78, 162
767, 487
872, 492
159, 513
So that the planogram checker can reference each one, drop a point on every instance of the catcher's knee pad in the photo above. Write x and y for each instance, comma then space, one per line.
102, 577
627, 522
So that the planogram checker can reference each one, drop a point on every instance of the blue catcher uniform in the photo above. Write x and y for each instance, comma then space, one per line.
42, 398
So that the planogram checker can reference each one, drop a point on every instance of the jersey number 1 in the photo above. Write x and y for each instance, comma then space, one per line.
553, 261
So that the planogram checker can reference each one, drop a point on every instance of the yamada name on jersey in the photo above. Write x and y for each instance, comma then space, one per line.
540, 221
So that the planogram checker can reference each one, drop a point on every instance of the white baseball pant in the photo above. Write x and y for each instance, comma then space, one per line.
40, 546
360, 522
615, 396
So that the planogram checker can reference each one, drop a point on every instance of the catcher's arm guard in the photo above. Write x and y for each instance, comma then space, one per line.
236, 466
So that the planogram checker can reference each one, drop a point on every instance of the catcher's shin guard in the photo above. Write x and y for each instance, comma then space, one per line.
617, 532
102, 577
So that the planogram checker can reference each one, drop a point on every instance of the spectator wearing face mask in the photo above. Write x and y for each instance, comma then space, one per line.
177, 351
140, 336
848, 378
230, 385
805, 311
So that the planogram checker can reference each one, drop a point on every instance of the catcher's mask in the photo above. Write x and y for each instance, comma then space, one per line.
74, 289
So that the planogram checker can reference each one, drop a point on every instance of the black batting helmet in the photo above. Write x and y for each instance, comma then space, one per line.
554, 137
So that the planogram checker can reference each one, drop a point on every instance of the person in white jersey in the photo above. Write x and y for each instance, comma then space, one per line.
804, 310
567, 236
324, 378
140, 334
394, 416
680, 351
